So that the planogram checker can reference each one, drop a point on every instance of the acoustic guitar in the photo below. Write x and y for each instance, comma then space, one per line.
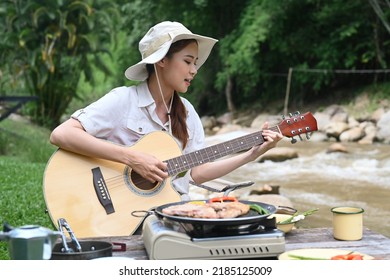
97, 196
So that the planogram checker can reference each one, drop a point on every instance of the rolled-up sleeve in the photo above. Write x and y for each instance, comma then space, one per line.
102, 117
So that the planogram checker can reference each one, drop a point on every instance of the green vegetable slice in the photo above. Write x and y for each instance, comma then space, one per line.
258, 209
306, 213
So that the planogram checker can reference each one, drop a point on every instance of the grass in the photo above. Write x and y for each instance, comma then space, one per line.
24, 151
24, 140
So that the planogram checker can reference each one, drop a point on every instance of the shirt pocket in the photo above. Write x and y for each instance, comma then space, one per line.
140, 127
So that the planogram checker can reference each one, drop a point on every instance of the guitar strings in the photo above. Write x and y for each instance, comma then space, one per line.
120, 180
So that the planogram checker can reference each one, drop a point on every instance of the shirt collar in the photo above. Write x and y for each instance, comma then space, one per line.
145, 98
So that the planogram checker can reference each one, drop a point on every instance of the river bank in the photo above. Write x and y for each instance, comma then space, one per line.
345, 162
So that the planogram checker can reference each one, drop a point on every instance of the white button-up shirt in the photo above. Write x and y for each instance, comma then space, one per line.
126, 114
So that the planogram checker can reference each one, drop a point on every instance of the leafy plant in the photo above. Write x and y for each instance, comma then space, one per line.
50, 43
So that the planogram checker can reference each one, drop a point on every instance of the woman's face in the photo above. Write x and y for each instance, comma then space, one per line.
180, 69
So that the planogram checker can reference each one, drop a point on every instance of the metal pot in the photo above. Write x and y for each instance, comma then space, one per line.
89, 250
81, 250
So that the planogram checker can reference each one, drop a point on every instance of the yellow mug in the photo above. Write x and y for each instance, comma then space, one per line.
347, 223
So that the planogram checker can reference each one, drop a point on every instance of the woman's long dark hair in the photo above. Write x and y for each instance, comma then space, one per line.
178, 111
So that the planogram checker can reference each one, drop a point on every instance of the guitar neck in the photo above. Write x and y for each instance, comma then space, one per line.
185, 162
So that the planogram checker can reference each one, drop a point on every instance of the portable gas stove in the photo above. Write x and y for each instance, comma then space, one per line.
167, 240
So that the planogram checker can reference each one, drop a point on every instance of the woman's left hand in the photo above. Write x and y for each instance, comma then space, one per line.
212, 170
271, 139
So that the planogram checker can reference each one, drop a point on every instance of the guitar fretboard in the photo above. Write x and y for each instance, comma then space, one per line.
209, 154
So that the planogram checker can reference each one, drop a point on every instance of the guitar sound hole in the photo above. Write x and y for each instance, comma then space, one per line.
141, 183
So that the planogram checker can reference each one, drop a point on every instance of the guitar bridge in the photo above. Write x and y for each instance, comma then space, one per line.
102, 191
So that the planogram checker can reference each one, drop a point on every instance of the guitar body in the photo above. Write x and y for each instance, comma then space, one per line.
70, 191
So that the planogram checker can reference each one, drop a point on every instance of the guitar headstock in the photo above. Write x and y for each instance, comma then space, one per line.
298, 124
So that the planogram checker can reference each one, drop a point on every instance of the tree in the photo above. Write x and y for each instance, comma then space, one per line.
376, 5
50, 43
273, 36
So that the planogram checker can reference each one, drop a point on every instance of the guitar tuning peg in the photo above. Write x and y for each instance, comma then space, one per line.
308, 135
283, 117
300, 137
290, 114
297, 113
293, 140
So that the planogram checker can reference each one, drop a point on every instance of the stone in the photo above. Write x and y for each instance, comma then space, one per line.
266, 189
279, 154
340, 117
334, 129
352, 135
208, 122
225, 119
383, 128
323, 120
336, 148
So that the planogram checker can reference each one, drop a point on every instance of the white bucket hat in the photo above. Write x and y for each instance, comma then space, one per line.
156, 43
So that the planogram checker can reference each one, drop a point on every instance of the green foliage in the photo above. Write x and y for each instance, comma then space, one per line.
55, 43
50, 43
323, 35
240, 50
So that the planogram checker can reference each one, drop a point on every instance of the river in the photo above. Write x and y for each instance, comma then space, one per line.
317, 179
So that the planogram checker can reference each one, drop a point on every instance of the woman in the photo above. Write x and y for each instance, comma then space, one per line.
171, 57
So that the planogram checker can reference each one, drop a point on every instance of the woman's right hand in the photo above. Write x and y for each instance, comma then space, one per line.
146, 165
